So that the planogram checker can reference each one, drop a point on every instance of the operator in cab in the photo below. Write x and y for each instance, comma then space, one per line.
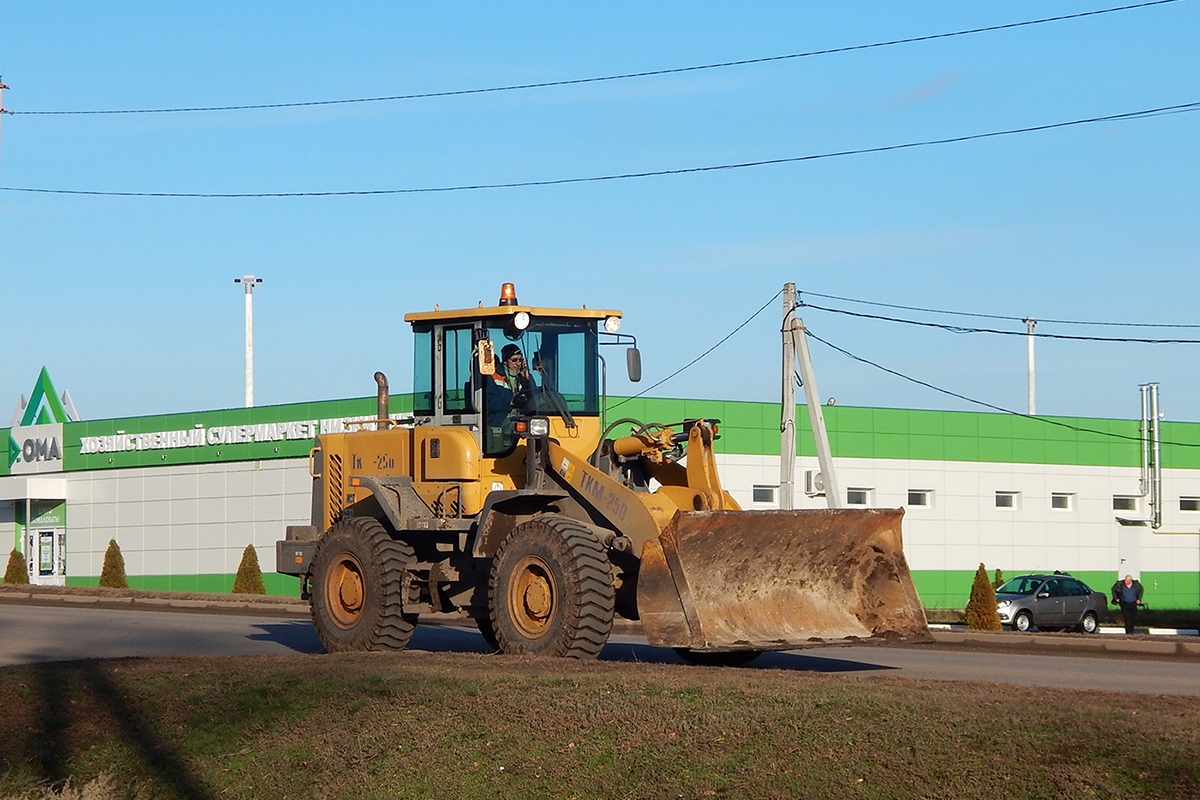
509, 394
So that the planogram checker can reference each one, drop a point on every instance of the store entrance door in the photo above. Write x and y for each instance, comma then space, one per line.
1129, 550
46, 555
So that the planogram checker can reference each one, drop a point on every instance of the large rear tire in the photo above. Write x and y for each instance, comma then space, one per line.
550, 592
357, 580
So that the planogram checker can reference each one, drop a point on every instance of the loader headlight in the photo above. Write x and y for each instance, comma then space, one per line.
539, 426
520, 320
612, 324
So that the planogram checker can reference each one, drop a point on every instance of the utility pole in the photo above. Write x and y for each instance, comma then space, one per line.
249, 281
787, 423
816, 417
796, 346
1030, 324
3, 110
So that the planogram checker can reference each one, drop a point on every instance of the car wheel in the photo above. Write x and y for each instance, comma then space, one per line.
1089, 623
1022, 622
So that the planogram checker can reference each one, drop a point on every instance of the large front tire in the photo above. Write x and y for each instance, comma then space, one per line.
357, 580
550, 592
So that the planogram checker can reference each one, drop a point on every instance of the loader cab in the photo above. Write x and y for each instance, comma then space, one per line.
459, 379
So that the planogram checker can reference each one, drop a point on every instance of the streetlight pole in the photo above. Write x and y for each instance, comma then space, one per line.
1030, 324
249, 282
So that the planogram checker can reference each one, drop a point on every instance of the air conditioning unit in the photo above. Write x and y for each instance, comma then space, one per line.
814, 483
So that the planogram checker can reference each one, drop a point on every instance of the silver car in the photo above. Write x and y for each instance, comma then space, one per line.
1050, 601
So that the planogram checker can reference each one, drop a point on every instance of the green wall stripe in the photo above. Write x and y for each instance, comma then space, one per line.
1164, 590
751, 428
275, 583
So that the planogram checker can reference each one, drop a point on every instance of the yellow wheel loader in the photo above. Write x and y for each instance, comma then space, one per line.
509, 498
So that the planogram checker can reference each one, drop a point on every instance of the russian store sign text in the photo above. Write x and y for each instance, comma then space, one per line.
121, 442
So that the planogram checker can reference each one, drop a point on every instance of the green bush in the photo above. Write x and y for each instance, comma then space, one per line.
249, 578
981, 608
998, 581
112, 574
16, 572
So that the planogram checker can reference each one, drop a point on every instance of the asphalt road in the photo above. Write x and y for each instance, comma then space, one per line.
30, 634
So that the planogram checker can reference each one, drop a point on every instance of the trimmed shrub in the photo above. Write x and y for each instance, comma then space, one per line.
249, 578
112, 574
16, 572
981, 608
998, 581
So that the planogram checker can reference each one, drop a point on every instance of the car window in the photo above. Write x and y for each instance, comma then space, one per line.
1055, 587
1075, 588
1024, 584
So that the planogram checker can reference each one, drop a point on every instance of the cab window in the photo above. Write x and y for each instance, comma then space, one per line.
562, 358
423, 372
457, 370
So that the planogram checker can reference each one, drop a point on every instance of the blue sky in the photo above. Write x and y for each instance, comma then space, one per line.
130, 301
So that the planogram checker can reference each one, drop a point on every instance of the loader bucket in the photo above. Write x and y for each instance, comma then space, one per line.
776, 580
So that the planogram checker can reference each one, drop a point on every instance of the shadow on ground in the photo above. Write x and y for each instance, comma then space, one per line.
449, 639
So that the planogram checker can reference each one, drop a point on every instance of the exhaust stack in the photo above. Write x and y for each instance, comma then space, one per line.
382, 396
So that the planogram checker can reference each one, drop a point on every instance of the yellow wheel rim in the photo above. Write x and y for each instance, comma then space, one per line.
532, 597
345, 591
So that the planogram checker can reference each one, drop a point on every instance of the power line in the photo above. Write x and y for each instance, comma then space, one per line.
726, 338
1131, 115
958, 329
606, 78
984, 404
1020, 319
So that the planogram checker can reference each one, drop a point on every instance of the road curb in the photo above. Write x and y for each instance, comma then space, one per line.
1142, 644
142, 600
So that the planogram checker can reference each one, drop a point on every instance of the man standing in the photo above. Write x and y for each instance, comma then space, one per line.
1128, 595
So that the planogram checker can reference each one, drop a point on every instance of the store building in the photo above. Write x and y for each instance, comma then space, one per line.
183, 494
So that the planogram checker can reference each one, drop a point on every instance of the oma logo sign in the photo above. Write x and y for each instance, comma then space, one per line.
41, 449
36, 448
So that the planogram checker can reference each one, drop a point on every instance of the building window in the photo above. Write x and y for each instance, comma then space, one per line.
1062, 501
1189, 504
764, 494
1124, 502
1007, 499
920, 497
858, 497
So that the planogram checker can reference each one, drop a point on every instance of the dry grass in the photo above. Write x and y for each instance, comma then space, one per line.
443, 725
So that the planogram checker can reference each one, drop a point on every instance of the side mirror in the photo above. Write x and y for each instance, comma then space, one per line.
633, 364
